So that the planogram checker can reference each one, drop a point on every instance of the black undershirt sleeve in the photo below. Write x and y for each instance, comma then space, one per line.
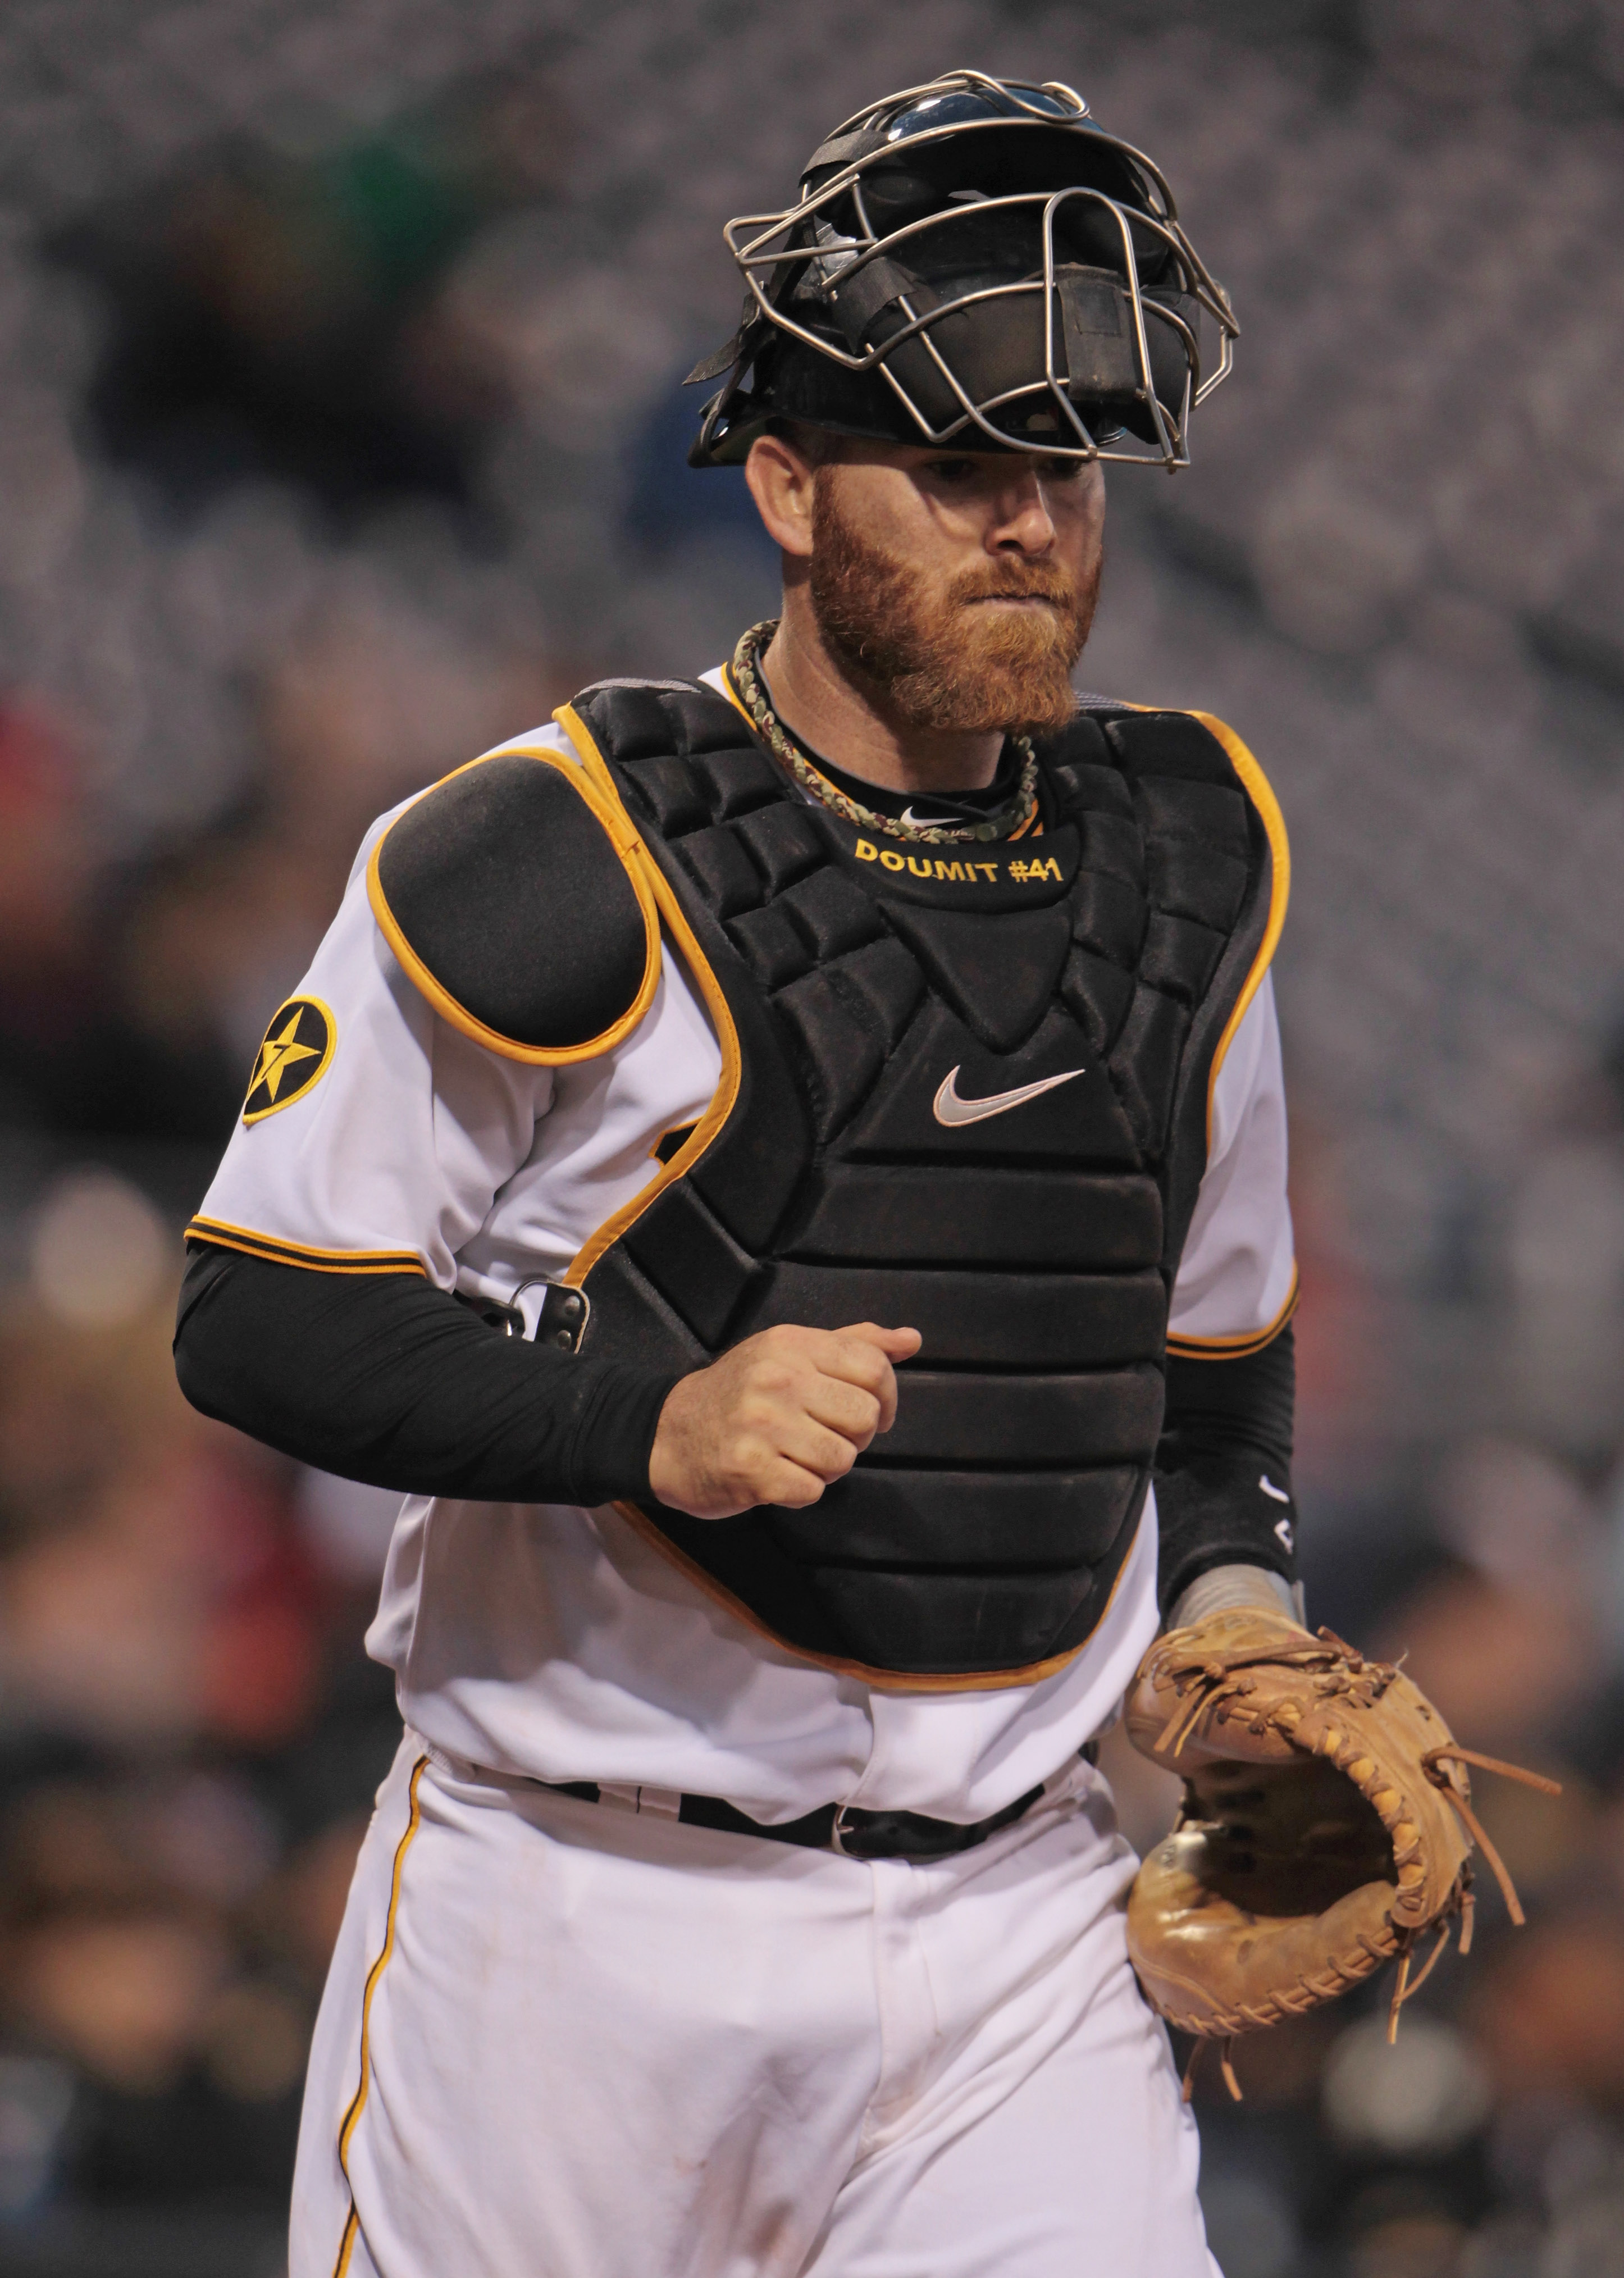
1223, 1467
384, 1378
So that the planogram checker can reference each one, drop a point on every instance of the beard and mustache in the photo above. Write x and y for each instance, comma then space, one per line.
934, 659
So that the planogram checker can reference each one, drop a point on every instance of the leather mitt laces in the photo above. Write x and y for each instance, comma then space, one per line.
1325, 1830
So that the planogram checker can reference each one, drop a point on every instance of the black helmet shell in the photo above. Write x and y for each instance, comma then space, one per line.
975, 263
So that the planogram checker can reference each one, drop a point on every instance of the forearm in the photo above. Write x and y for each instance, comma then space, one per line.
382, 1378
1224, 1470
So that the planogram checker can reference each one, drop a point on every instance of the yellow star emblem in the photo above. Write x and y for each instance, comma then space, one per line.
278, 1054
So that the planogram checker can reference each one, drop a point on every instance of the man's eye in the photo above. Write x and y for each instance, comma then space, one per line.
1063, 470
953, 470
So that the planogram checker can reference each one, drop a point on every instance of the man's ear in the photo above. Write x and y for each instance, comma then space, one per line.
780, 482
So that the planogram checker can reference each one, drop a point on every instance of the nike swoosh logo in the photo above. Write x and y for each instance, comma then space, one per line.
1278, 1493
931, 821
948, 1107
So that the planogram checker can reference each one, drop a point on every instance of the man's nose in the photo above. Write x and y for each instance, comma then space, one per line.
1022, 522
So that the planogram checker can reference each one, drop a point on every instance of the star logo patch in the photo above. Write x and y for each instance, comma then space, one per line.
294, 1058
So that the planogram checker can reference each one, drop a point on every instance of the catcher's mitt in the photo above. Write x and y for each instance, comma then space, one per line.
1325, 1828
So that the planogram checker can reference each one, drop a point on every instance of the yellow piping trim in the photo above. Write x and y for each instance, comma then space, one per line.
358, 2103
302, 1090
881, 1680
297, 1254
613, 817
1279, 886
252, 1244
281, 1257
1246, 1341
727, 1085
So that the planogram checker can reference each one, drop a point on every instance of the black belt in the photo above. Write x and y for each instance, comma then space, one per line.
842, 1827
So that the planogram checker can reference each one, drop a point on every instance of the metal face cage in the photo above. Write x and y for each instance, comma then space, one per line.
1060, 315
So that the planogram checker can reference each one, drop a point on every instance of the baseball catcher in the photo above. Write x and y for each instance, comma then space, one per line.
785, 1171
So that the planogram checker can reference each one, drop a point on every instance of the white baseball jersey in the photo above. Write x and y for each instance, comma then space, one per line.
554, 1642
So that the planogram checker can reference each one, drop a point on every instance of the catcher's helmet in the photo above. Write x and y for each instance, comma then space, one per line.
975, 262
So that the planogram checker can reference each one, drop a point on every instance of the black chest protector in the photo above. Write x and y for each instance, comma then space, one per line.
964, 1089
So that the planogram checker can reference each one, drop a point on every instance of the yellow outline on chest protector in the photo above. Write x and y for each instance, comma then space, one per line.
1258, 789
649, 877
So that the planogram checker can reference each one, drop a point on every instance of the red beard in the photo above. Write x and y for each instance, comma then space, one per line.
939, 660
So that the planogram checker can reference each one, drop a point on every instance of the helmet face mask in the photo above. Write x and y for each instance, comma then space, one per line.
972, 264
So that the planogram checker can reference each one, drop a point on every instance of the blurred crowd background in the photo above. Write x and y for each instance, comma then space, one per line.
339, 437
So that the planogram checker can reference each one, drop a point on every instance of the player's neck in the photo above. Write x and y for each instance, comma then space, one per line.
848, 723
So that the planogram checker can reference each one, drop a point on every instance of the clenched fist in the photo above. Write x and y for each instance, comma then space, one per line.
775, 1420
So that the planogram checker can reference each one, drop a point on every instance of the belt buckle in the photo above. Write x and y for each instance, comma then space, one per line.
837, 1829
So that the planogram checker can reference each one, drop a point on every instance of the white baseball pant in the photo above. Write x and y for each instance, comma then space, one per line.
563, 2039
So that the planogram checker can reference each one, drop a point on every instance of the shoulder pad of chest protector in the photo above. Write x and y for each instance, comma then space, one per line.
514, 895
1176, 762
